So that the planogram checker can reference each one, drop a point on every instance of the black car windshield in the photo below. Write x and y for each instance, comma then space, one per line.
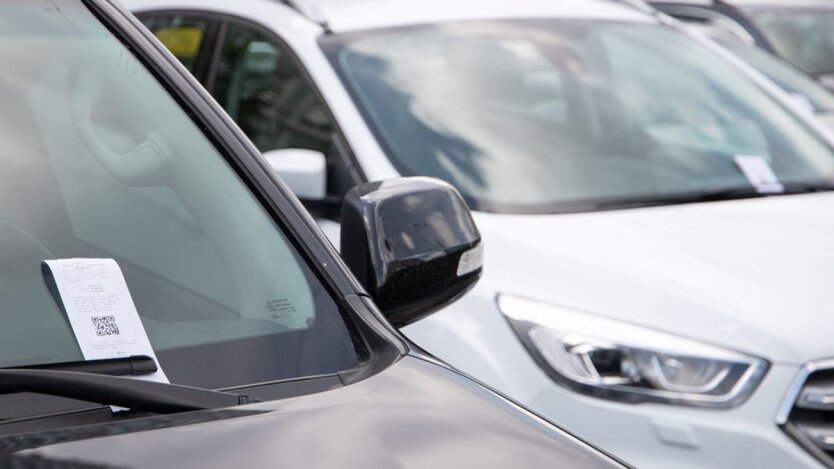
542, 116
804, 36
98, 161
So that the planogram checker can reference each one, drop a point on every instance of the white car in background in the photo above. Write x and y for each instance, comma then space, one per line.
798, 31
658, 217
808, 94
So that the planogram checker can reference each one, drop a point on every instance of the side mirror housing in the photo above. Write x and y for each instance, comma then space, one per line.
412, 243
304, 171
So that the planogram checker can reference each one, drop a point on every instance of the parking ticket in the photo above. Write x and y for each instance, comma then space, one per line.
759, 173
100, 310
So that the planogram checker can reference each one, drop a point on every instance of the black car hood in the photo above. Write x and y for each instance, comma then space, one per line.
415, 414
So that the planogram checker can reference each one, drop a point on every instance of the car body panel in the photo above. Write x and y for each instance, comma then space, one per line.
415, 414
667, 437
613, 263
743, 267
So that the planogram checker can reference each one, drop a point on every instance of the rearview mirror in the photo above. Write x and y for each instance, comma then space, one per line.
304, 171
412, 244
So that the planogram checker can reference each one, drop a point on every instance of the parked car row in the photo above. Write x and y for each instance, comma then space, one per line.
591, 141
643, 279
733, 29
168, 303
799, 31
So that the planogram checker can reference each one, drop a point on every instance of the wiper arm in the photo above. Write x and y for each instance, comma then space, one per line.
127, 366
133, 394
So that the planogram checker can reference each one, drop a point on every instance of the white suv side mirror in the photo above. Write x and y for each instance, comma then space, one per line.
304, 171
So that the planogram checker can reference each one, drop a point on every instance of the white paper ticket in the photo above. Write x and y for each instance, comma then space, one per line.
759, 173
101, 311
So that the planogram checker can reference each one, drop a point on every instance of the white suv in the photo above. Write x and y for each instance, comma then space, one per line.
659, 228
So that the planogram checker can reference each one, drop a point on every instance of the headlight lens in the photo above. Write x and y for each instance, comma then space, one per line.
615, 360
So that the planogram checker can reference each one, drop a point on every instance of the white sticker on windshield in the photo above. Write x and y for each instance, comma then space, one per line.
101, 312
759, 173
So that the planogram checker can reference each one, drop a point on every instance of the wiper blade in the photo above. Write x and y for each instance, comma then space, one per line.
807, 187
681, 198
127, 366
716, 195
117, 391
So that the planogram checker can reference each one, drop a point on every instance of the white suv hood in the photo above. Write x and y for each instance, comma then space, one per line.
754, 275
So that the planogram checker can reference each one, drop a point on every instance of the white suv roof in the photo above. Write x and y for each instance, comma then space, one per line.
351, 15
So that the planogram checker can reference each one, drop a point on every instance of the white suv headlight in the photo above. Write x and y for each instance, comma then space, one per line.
615, 360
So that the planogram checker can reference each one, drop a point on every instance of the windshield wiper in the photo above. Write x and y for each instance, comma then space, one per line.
731, 193
807, 187
126, 366
680, 198
150, 396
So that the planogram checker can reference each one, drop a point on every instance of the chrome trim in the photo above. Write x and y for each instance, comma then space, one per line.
810, 399
826, 442
797, 385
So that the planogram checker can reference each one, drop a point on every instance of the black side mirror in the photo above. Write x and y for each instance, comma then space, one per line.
412, 244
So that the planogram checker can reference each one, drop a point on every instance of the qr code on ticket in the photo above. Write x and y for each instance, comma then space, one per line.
105, 325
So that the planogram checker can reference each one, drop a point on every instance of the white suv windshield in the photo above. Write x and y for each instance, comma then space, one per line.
548, 115
99, 161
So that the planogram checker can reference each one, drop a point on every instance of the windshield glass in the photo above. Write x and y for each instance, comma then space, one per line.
99, 161
805, 37
542, 116
789, 78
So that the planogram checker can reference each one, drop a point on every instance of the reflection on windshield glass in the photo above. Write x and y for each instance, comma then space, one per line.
98, 161
537, 115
